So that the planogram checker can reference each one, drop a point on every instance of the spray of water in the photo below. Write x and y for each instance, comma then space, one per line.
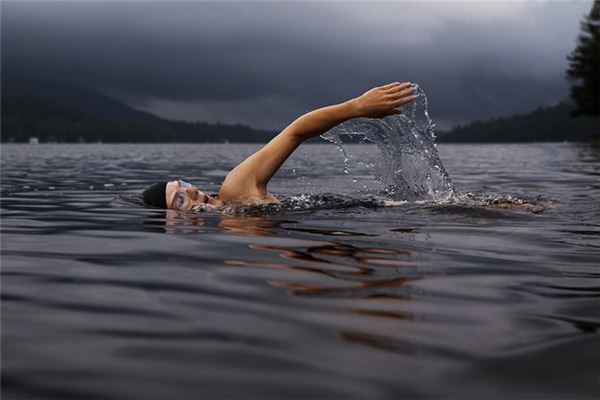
410, 167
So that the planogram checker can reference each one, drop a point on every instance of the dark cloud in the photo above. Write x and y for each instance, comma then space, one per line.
264, 63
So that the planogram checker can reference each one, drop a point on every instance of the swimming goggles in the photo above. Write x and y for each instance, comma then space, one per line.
184, 184
181, 199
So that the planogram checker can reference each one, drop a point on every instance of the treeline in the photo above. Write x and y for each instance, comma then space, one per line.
550, 124
24, 117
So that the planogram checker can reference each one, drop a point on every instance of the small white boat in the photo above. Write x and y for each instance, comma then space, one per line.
33, 140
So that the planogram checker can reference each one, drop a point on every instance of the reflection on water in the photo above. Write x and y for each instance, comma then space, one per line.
335, 296
182, 222
381, 274
247, 225
355, 273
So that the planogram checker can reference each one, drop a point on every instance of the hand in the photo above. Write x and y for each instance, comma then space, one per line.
384, 100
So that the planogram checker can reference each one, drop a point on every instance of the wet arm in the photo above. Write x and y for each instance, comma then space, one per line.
252, 176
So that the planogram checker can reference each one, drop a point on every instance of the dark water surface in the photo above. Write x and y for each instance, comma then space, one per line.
104, 299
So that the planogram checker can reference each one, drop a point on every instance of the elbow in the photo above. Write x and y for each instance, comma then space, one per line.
295, 133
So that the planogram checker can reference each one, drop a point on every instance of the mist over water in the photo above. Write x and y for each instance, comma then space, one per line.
408, 165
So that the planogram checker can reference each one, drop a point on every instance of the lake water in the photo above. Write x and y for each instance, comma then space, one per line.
102, 298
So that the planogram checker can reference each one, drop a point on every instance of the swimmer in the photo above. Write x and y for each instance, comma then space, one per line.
247, 183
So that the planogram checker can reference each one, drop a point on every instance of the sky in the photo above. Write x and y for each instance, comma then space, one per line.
264, 64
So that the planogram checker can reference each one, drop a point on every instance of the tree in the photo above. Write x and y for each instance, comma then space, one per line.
584, 66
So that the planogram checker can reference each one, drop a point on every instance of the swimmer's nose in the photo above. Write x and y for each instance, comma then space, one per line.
193, 193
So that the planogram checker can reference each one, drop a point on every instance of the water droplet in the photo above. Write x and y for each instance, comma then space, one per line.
407, 140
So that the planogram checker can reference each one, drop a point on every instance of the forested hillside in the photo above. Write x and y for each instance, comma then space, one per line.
551, 124
24, 117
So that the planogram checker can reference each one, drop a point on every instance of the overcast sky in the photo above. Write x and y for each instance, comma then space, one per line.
264, 63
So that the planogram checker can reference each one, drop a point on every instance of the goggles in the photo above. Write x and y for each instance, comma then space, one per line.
181, 200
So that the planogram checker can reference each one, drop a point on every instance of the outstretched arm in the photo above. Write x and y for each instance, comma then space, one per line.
250, 178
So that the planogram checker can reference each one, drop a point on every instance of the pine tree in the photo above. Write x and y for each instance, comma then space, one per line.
584, 66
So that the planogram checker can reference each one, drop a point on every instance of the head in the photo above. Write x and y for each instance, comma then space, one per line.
176, 195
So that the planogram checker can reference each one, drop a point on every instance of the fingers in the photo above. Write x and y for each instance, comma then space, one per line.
390, 85
395, 86
402, 93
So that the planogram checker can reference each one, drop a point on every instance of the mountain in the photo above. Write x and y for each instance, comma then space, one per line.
74, 97
550, 124
56, 111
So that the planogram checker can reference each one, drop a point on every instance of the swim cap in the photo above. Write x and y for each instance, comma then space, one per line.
156, 194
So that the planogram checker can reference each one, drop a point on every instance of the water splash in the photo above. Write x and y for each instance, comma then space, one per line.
410, 168
467, 203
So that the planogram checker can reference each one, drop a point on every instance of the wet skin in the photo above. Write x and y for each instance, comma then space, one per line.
185, 198
247, 182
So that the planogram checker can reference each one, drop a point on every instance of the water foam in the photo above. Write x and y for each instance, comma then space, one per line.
410, 167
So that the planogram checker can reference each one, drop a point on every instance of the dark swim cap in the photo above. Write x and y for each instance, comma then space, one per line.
155, 194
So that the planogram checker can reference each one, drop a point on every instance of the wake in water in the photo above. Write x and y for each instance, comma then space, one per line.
309, 202
409, 167
330, 201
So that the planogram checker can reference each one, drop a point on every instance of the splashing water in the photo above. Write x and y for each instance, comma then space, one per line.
410, 168
407, 165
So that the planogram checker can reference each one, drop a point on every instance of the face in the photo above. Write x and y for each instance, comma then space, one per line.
183, 196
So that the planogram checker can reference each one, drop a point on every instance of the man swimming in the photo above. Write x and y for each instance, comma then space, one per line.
247, 183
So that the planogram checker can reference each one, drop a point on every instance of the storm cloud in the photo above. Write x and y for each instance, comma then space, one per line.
264, 63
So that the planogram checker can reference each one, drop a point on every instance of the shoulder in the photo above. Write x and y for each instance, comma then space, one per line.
245, 194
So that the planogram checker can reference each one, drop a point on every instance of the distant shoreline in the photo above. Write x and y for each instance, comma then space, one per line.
51, 112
